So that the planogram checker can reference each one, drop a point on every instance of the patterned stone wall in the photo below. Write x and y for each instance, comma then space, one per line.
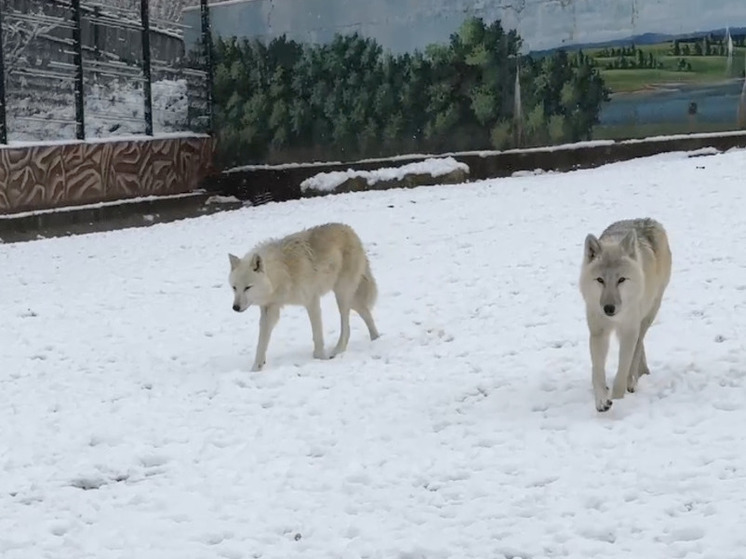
50, 176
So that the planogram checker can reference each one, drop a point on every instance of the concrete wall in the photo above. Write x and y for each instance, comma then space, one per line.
670, 66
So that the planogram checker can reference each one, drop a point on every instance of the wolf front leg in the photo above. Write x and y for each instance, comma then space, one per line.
628, 338
599, 345
267, 321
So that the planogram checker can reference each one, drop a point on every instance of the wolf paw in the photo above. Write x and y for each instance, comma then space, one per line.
632, 385
336, 351
256, 367
601, 396
603, 405
320, 354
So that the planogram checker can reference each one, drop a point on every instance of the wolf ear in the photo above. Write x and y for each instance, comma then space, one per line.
629, 243
234, 261
592, 247
256, 263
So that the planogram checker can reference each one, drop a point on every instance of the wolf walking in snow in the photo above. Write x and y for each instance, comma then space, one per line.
298, 270
623, 277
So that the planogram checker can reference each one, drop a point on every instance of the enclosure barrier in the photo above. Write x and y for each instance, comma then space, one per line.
84, 168
49, 176
62, 21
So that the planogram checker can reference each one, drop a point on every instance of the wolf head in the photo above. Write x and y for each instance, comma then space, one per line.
612, 276
248, 280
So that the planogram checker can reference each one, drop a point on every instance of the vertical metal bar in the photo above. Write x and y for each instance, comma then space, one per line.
207, 44
78, 61
96, 30
147, 86
3, 122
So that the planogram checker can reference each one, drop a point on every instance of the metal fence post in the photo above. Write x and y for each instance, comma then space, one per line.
78, 61
147, 85
3, 122
97, 31
207, 43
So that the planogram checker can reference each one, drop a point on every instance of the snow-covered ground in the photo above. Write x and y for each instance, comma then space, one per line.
131, 425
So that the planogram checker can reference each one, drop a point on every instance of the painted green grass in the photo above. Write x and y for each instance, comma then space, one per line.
628, 131
620, 81
704, 69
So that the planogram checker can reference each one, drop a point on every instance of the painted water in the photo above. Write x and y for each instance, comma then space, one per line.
716, 103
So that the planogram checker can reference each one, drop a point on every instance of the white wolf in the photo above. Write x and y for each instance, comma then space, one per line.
623, 277
298, 270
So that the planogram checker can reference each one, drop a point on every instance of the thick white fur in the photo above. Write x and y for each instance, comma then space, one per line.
300, 269
623, 277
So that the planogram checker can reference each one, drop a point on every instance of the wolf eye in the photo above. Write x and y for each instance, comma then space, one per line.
600, 280
247, 288
621, 280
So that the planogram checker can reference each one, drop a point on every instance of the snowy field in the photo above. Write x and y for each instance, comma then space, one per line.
132, 427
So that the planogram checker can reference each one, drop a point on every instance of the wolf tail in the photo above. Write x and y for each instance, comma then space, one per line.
367, 289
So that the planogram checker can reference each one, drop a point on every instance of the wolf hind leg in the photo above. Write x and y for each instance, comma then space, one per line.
643, 368
367, 317
635, 371
361, 305
344, 294
640, 362
628, 348
647, 323
317, 330
639, 365
364, 298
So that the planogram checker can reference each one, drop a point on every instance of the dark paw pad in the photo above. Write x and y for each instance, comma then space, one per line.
606, 406
631, 389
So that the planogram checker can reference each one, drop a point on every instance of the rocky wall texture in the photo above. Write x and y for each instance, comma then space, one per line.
42, 176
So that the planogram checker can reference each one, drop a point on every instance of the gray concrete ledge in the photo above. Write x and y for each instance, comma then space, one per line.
109, 216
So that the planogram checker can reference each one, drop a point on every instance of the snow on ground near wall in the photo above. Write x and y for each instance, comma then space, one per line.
435, 167
132, 427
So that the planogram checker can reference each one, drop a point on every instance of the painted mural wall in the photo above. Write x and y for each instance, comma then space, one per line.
303, 80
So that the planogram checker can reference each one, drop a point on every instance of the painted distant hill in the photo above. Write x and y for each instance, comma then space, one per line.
645, 39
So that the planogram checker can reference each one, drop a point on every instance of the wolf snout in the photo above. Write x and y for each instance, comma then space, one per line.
237, 308
609, 310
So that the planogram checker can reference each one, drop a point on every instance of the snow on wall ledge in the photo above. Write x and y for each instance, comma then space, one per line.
43, 176
434, 168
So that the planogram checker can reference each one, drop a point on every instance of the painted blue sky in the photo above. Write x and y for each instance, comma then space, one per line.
550, 23
403, 25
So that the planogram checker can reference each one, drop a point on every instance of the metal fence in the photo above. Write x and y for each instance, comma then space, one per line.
82, 69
